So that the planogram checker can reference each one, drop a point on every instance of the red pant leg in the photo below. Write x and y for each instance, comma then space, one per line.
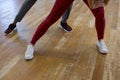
58, 9
99, 20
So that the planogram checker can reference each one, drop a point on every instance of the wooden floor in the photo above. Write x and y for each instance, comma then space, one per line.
59, 55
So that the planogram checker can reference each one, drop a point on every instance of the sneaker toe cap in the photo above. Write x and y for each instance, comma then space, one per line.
27, 57
104, 51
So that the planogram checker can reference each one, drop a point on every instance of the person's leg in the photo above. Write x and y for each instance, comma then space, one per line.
23, 10
66, 14
100, 26
59, 8
65, 17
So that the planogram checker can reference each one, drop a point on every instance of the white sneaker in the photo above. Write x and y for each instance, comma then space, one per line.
29, 52
102, 46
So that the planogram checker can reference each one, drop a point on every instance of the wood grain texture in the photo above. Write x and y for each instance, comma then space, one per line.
59, 55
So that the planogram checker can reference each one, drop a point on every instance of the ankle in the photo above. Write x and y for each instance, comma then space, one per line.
63, 22
100, 39
14, 22
31, 44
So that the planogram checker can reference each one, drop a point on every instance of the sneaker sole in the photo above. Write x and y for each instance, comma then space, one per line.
64, 29
10, 32
28, 59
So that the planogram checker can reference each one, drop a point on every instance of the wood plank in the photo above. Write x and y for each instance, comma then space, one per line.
59, 55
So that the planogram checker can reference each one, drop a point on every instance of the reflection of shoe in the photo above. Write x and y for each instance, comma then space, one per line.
29, 52
10, 28
102, 46
66, 27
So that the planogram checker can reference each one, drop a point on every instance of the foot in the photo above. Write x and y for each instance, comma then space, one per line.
102, 46
29, 52
65, 27
10, 28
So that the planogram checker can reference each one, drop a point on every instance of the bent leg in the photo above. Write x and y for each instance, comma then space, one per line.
58, 9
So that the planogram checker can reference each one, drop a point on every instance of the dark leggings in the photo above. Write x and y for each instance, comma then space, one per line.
58, 9
99, 20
